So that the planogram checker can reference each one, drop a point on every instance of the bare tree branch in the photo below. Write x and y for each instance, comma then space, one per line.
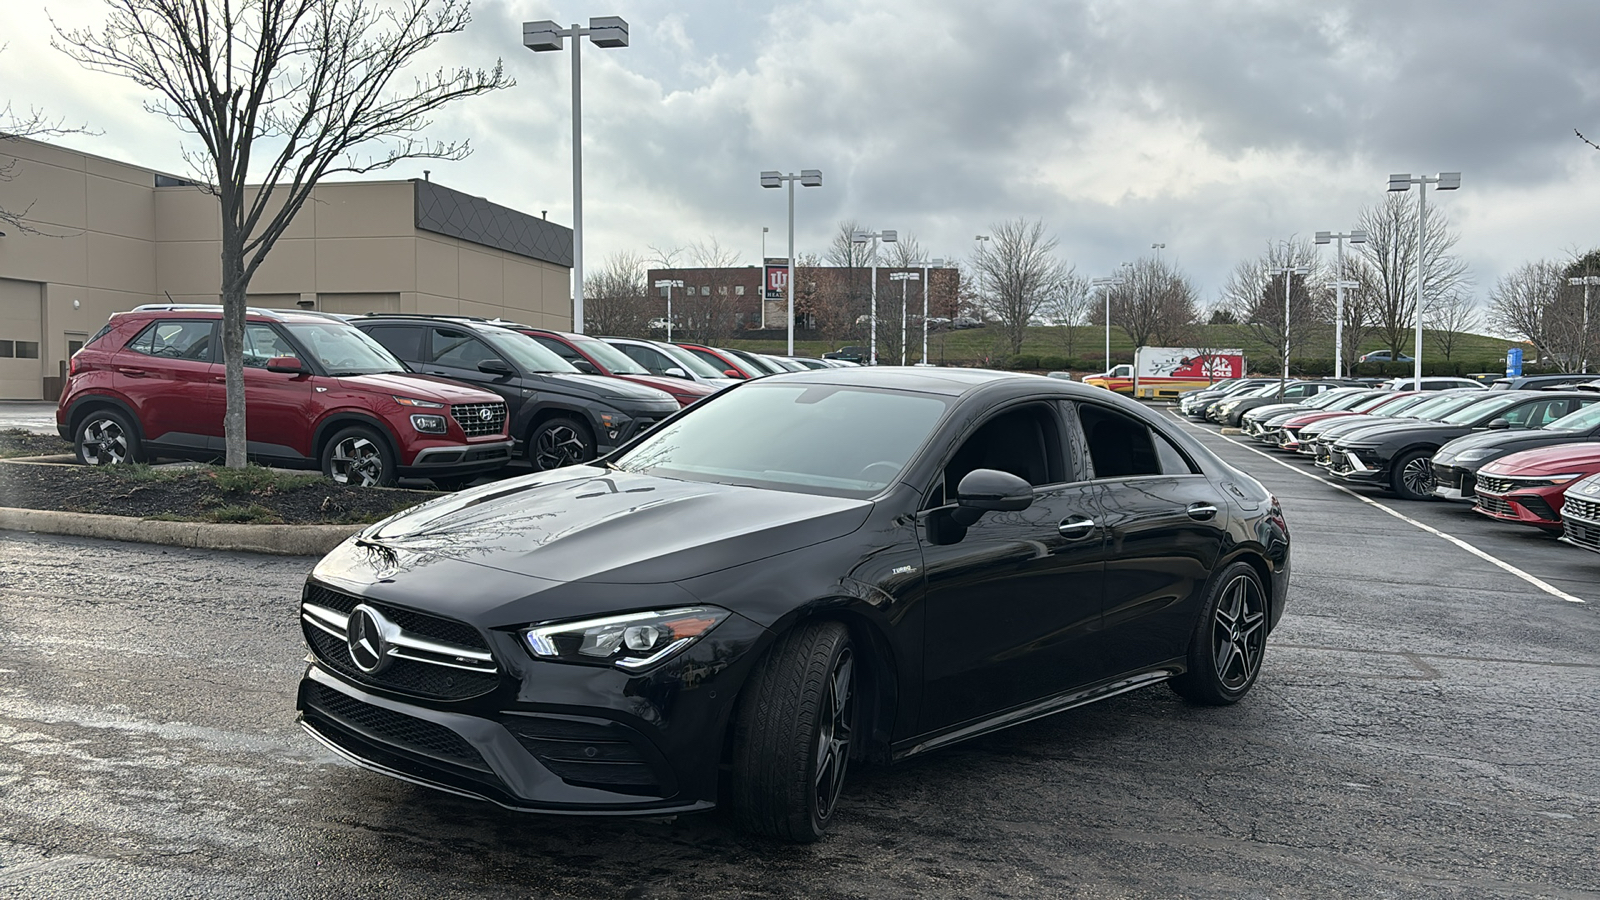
1016, 272
32, 125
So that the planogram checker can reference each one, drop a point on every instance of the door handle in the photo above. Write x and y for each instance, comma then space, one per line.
131, 373
1075, 528
1201, 511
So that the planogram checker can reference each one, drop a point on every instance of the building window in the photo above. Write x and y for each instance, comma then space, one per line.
739, 290
19, 349
723, 290
705, 290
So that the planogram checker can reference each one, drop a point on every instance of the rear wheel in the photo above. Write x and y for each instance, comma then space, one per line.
792, 738
1228, 645
559, 442
106, 438
1411, 476
359, 456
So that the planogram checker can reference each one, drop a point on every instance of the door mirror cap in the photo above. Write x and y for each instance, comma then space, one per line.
733, 373
285, 365
675, 372
989, 490
496, 367
1499, 424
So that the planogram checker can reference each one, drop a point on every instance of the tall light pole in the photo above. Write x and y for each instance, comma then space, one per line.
1583, 354
1447, 181
669, 284
1356, 236
904, 277
1288, 273
861, 237
604, 31
772, 179
926, 265
1105, 285
761, 295
1158, 248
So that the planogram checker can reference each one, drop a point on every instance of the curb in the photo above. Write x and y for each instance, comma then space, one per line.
284, 540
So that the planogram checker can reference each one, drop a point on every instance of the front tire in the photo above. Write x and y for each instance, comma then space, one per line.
555, 443
359, 456
792, 738
1230, 641
1411, 476
106, 438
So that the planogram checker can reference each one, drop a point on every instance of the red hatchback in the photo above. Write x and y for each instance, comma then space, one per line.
596, 357
1529, 487
318, 394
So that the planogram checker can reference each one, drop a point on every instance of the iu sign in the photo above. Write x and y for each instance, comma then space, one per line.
777, 279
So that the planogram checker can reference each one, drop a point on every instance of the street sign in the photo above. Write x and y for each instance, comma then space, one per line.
1514, 362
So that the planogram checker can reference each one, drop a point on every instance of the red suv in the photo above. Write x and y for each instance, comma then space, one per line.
318, 393
596, 357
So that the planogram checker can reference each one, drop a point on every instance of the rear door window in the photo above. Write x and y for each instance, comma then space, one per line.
1121, 446
459, 349
188, 339
404, 341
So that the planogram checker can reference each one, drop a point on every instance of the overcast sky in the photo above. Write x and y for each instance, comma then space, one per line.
1212, 127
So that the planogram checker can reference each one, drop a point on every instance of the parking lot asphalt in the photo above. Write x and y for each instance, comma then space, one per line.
37, 416
1424, 727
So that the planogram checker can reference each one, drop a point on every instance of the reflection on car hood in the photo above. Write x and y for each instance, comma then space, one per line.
1500, 442
420, 387
612, 388
590, 524
1559, 460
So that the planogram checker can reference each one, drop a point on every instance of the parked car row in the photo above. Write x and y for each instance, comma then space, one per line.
1526, 451
374, 398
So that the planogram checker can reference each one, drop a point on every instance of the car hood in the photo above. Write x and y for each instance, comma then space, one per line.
1559, 460
609, 388
420, 387
1268, 410
586, 523
1499, 443
1347, 424
671, 385
1401, 430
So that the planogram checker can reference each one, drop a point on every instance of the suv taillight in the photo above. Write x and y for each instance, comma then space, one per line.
72, 365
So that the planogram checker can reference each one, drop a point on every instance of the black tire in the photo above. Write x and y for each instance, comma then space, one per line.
1229, 641
559, 442
792, 735
105, 437
359, 456
1411, 476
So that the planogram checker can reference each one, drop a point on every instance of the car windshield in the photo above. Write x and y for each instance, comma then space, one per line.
786, 436
694, 364
1348, 399
1327, 399
1436, 408
615, 361
1388, 406
1582, 420
756, 365
1484, 408
529, 354
344, 349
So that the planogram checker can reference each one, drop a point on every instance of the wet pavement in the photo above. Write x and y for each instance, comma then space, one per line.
1424, 727
29, 415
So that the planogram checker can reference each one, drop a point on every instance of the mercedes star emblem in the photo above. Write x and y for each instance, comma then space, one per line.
367, 636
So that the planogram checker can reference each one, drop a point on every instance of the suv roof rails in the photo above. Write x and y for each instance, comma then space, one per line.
444, 317
211, 307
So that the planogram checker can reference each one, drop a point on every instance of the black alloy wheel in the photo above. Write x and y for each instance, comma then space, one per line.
106, 438
559, 442
793, 735
1411, 476
1230, 642
359, 456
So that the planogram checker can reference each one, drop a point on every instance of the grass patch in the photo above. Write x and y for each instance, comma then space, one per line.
253, 514
260, 480
20, 442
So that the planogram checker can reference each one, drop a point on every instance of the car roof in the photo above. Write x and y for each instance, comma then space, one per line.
209, 310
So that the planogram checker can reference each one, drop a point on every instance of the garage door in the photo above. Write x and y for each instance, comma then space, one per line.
21, 333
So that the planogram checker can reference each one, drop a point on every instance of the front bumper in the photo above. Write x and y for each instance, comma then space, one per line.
1351, 466
1521, 508
1580, 523
458, 459
1453, 483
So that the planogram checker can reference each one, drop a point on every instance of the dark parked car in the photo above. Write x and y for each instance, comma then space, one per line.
1456, 465
557, 415
1399, 456
1429, 406
1383, 356
1538, 382
857, 355
1232, 409
1198, 405
593, 356
696, 617
318, 394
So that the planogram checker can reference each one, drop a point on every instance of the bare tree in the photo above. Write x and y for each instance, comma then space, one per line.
619, 301
1155, 304
31, 125
1450, 317
1535, 303
1066, 310
709, 313
287, 92
1254, 295
1017, 271
1388, 266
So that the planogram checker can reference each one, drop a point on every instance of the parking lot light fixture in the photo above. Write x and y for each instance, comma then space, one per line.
926, 265
1288, 273
1583, 354
862, 237
669, 284
904, 277
1105, 285
1354, 236
1447, 181
1158, 248
604, 31
772, 179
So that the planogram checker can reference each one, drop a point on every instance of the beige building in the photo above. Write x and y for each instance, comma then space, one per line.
112, 236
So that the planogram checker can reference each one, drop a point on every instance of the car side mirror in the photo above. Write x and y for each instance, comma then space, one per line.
1499, 424
497, 367
584, 366
989, 490
675, 372
285, 365
733, 373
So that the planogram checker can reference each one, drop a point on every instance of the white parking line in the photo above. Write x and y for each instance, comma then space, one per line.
1534, 580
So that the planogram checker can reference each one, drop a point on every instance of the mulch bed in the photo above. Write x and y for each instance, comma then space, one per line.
205, 494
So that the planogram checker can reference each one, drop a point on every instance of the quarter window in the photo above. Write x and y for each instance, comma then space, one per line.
1121, 446
175, 339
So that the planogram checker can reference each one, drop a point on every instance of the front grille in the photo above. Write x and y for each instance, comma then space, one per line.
472, 421
587, 754
411, 676
1583, 509
1495, 485
387, 726
1584, 534
1446, 476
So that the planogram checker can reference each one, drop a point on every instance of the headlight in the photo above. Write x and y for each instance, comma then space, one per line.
1551, 481
429, 424
415, 403
1470, 455
633, 641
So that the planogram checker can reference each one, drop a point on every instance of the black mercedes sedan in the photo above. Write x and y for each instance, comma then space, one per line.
1399, 456
1456, 465
737, 605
